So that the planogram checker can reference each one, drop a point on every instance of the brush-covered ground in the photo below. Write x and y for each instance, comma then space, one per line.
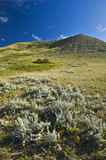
53, 110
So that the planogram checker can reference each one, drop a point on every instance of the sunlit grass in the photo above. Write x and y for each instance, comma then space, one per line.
16, 67
90, 76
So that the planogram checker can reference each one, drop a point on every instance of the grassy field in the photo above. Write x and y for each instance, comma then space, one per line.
87, 71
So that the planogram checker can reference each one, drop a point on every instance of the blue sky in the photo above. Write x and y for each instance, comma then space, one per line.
35, 20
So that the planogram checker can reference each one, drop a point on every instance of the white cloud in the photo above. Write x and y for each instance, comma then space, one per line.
22, 2
3, 19
36, 37
2, 39
101, 29
17, 5
62, 37
25, 33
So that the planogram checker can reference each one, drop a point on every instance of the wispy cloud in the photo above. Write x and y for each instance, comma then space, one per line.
62, 37
23, 2
17, 3
36, 37
101, 29
3, 19
20, 2
2, 39
25, 32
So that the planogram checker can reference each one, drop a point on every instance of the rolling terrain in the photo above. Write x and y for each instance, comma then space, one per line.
78, 43
53, 99
88, 53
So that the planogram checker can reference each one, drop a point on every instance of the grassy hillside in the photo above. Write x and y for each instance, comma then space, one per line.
80, 43
53, 101
74, 44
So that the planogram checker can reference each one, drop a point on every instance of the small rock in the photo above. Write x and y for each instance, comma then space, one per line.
70, 71
77, 65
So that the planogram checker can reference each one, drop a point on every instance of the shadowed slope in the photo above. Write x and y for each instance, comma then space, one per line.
80, 43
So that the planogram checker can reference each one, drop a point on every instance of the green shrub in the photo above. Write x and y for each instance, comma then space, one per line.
40, 61
45, 61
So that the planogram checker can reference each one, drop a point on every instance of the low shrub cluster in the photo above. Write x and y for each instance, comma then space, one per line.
41, 61
56, 118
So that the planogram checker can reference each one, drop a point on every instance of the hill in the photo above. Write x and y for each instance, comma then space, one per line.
52, 102
80, 43
75, 44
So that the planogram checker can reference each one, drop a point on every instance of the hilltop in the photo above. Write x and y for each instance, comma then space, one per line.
80, 43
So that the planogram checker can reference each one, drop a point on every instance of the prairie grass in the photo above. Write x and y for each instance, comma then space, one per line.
89, 73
